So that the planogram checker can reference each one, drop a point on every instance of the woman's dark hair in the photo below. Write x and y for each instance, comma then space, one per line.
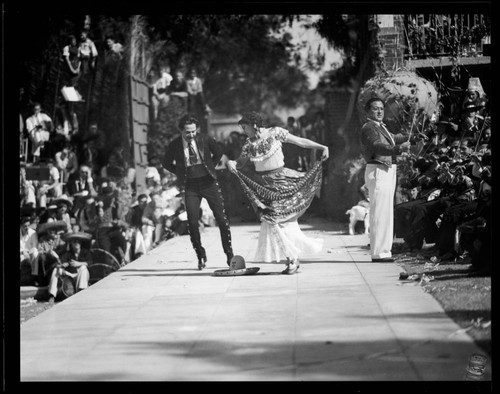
71, 37
252, 118
188, 119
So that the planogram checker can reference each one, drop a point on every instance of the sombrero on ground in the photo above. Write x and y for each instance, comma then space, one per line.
57, 225
237, 267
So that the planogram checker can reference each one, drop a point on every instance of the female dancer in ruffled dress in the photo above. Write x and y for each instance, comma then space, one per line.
279, 194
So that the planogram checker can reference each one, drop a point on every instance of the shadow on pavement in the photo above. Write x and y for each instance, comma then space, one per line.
333, 360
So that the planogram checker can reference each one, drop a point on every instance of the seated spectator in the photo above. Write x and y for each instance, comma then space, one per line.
107, 225
49, 214
29, 248
27, 189
39, 126
476, 233
470, 123
169, 194
153, 221
64, 206
73, 263
92, 148
85, 219
66, 162
485, 140
50, 247
117, 166
152, 181
134, 219
80, 185
52, 188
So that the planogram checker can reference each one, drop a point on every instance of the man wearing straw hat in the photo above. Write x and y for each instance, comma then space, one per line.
74, 264
380, 148
50, 247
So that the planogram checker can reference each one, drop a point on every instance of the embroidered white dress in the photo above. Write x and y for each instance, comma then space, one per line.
281, 195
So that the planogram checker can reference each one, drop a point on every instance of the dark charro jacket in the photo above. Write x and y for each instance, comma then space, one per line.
377, 145
174, 159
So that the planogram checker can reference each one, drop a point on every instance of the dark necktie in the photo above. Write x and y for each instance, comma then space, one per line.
193, 159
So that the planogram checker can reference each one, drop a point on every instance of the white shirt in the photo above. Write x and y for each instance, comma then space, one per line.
186, 152
28, 242
194, 86
87, 48
37, 120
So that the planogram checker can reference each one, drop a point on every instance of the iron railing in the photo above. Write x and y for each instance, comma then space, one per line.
431, 36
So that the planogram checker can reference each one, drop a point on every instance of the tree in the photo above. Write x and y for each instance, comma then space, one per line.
243, 60
356, 37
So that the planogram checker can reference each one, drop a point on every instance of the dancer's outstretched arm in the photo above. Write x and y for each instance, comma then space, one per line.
308, 144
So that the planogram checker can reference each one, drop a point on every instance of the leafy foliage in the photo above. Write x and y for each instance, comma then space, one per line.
243, 64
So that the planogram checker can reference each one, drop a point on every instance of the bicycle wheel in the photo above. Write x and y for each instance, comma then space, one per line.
103, 264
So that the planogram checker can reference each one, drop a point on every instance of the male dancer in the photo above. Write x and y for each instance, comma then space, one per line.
193, 157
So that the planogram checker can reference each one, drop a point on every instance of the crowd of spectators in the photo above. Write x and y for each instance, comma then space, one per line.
447, 187
76, 196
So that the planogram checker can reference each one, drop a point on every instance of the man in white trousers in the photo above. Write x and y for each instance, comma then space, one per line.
380, 148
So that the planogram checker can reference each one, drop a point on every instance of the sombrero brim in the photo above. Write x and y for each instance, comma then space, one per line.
475, 108
244, 271
77, 236
62, 201
57, 225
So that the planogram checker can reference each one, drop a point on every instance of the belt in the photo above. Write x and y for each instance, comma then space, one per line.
270, 171
202, 180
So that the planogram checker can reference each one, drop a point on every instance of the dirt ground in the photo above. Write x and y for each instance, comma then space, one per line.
31, 308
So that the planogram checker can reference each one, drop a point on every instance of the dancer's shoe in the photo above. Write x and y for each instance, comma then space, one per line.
291, 268
202, 262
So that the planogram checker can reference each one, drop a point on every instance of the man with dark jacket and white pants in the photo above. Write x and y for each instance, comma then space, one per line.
380, 148
192, 157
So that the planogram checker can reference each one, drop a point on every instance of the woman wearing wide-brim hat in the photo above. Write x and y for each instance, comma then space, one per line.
63, 200
471, 107
72, 267
50, 247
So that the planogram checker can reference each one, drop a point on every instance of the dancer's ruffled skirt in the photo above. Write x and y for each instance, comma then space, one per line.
281, 196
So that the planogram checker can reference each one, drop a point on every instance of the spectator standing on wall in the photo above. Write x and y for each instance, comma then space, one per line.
71, 55
161, 90
196, 99
115, 49
87, 52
